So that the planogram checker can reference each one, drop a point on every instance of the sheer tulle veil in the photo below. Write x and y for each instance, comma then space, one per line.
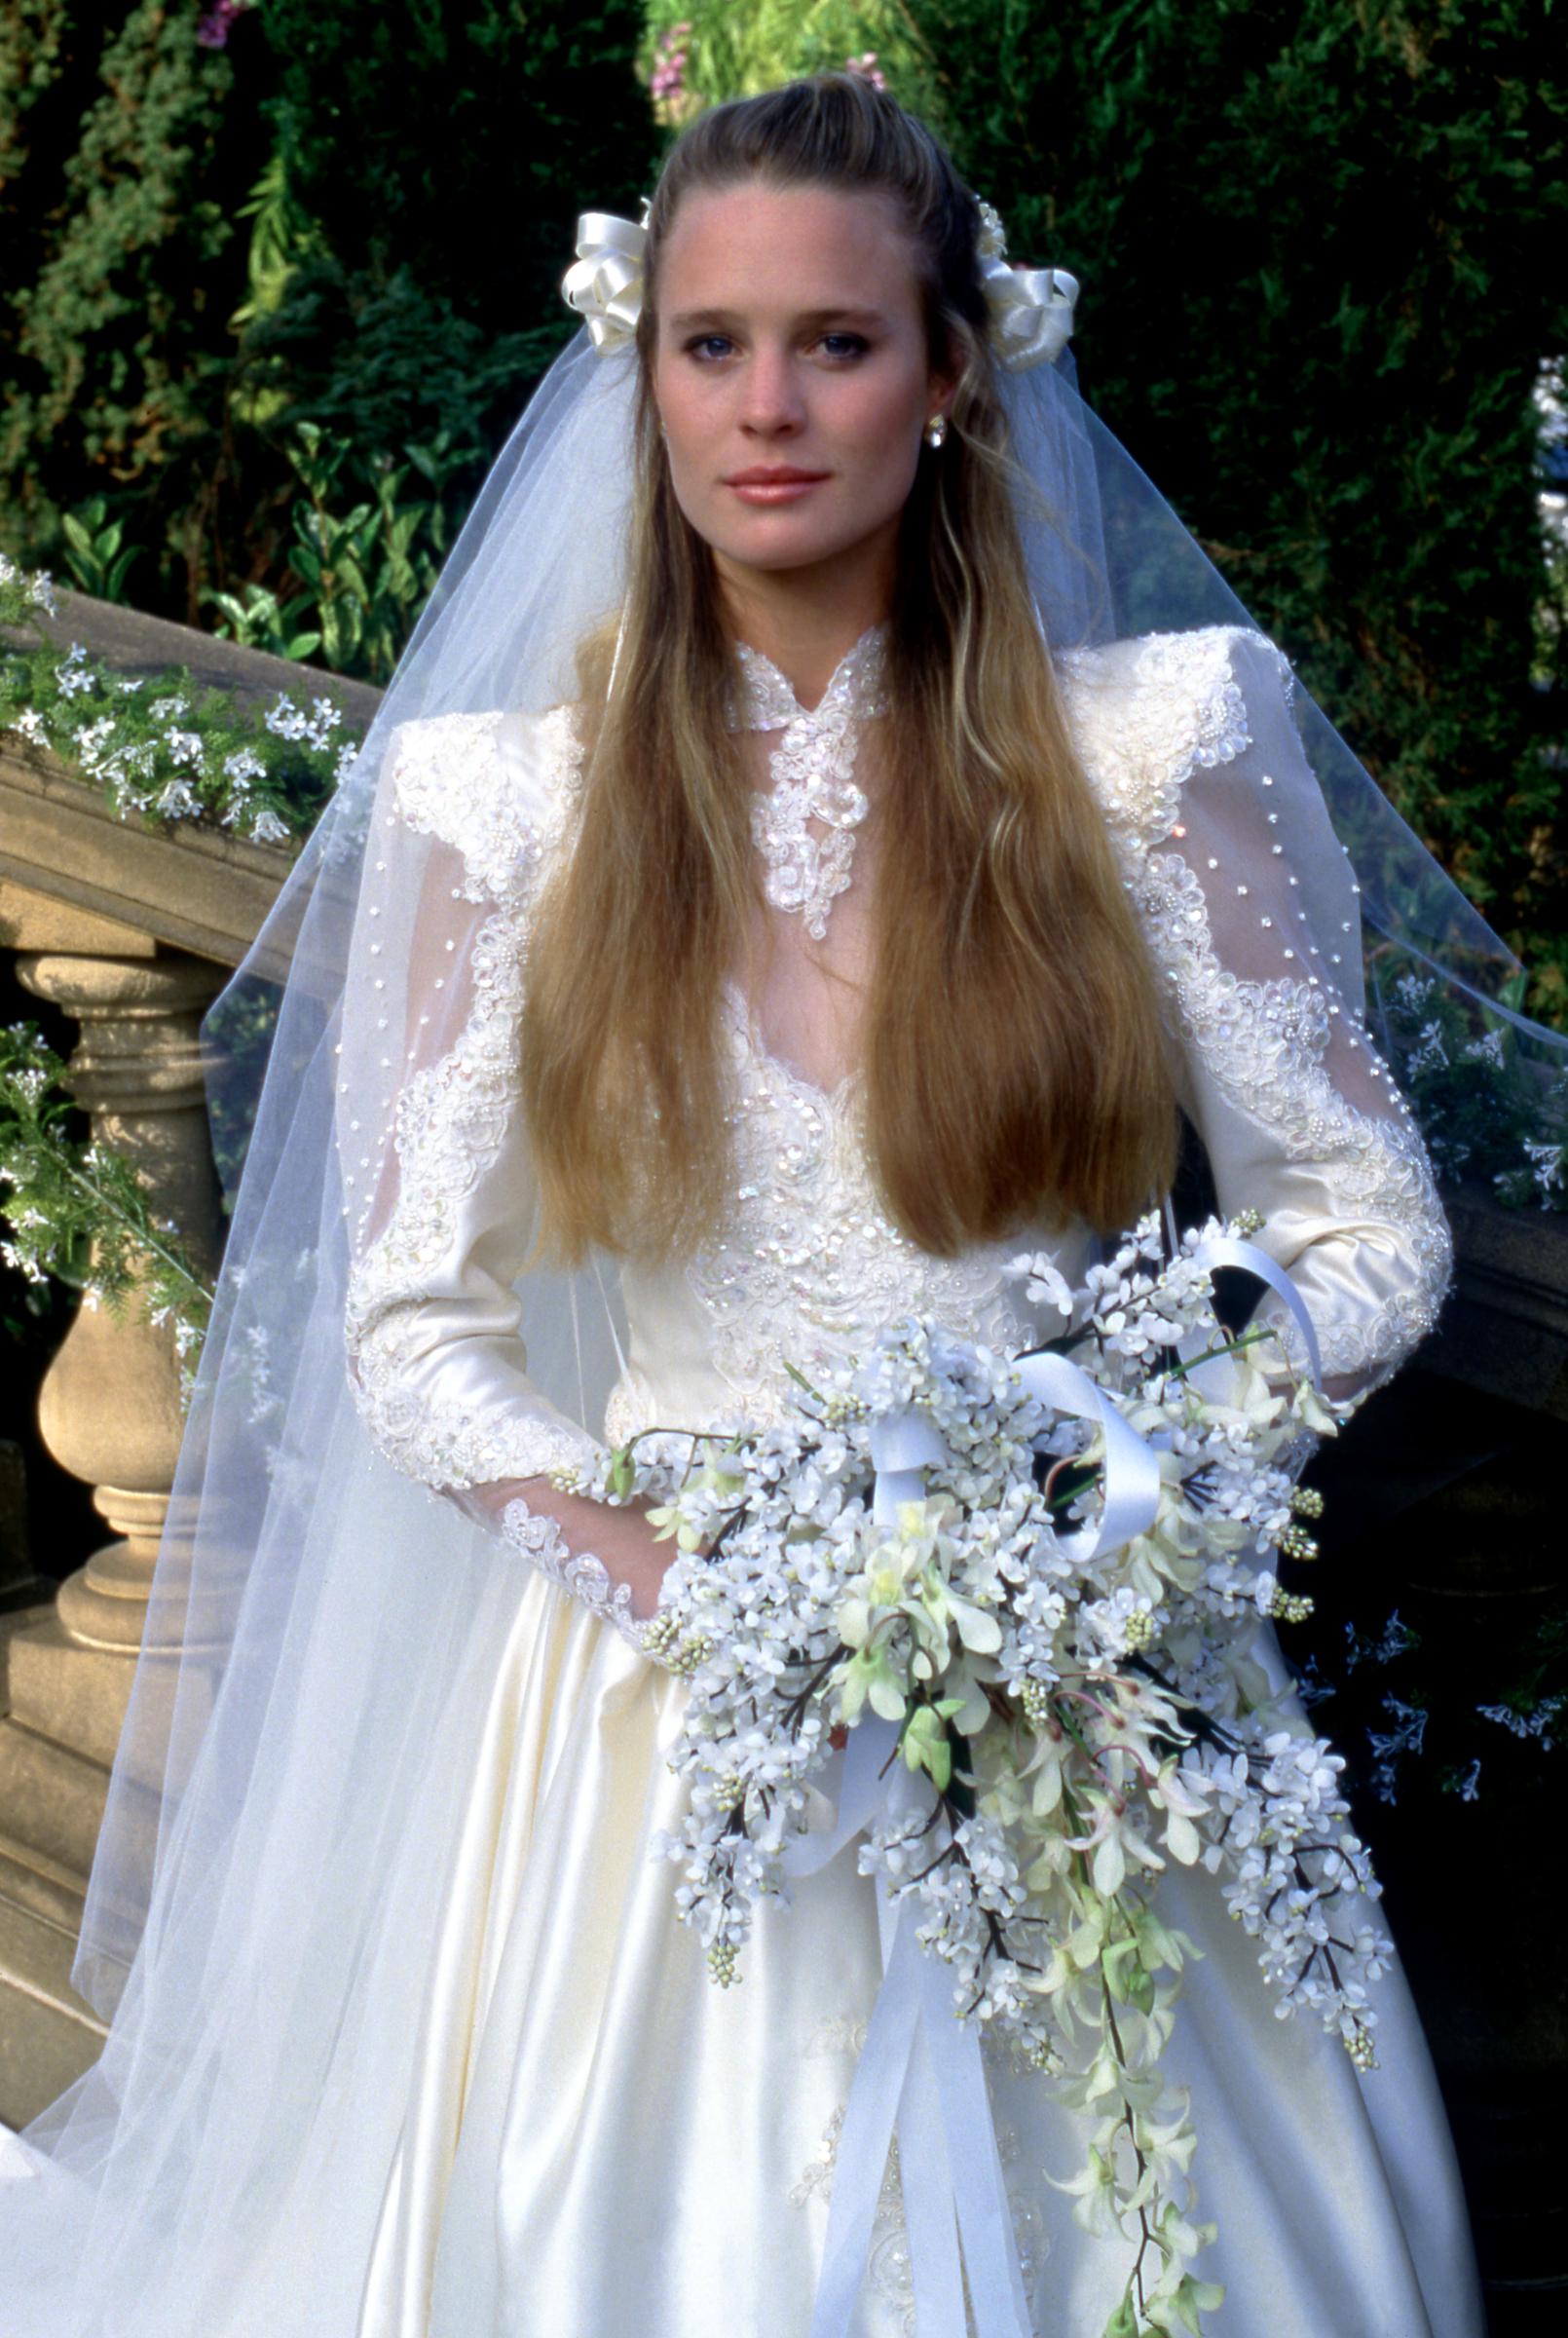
261, 1911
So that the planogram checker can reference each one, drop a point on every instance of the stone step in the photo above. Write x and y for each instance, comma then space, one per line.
74, 1695
51, 1798
48, 2035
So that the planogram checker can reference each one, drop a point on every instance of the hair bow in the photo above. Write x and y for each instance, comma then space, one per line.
605, 282
1031, 307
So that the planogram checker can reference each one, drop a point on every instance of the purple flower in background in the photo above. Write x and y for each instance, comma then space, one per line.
214, 30
866, 68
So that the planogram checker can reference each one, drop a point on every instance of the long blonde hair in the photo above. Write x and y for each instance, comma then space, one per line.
1014, 1069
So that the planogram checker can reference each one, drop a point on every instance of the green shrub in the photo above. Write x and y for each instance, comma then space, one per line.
1321, 246
121, 152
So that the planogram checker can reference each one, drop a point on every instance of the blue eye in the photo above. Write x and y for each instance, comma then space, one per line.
706, 342
844, 345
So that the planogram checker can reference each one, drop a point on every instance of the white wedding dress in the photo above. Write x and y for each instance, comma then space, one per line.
597, 2141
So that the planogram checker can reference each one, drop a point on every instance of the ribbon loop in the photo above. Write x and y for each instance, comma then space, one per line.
605, 282
1131, 1497
1030, 311
1229, 1250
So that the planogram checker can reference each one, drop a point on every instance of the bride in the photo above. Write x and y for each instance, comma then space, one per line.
864, 908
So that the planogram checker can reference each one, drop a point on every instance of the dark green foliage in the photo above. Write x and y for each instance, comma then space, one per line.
426, 299
1322, 249
354, 218
122, 266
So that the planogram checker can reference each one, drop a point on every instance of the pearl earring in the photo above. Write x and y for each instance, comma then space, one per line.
935, 430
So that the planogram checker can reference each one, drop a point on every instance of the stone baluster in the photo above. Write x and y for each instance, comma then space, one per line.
110, 1410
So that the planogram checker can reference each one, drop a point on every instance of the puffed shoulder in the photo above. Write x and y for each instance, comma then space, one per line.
497, 787
1148, 710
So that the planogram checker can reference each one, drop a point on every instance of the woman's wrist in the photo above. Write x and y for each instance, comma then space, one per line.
616, 1536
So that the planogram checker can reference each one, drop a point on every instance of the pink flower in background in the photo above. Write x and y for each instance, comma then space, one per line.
669, 62
866, 68
673, 101
214, 30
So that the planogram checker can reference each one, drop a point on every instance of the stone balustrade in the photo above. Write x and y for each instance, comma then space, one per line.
130, 932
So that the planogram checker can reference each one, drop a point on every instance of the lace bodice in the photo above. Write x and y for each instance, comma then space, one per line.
1249, 909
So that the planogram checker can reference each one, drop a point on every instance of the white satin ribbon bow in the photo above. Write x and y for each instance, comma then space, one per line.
921, 2074
605, 282
1031, 307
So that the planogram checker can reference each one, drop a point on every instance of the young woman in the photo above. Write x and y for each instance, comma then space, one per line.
862, 911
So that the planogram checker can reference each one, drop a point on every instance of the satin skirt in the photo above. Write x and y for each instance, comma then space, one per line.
598, 2142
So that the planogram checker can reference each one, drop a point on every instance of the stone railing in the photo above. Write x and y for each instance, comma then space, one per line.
130, 932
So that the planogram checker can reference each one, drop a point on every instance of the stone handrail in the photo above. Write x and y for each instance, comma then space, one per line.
129, 932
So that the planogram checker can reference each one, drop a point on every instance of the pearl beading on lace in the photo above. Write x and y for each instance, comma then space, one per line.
1275, 1049
809, 1263
813, 768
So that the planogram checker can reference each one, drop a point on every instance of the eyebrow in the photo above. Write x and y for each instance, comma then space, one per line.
690, 319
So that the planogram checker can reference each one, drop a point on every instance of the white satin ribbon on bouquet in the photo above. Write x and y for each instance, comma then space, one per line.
1229, 1250
920, 2075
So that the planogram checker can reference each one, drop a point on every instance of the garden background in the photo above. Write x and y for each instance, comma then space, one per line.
277, 279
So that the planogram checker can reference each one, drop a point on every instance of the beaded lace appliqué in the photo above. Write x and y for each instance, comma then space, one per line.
814, 765
452, 1114
810, 1265
587, 1578
1266, 1044
1148, 716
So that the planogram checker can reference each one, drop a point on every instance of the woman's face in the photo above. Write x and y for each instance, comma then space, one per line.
792, 373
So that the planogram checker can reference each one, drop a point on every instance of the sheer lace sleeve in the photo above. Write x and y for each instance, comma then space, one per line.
438, 1191
1251, 907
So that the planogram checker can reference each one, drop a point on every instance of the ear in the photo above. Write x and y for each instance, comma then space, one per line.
942, 380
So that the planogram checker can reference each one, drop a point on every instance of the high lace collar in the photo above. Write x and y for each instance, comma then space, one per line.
767, 699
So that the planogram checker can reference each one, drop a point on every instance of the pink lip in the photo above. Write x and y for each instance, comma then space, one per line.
780, 486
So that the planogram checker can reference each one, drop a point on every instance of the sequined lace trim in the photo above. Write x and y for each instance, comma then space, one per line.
1146, 714
803, 826
810, 1265
586, 1578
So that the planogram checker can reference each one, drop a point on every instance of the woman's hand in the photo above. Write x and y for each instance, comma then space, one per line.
618, 1535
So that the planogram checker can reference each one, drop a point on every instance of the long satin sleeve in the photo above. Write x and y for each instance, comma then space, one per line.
438, 1186
1250, 909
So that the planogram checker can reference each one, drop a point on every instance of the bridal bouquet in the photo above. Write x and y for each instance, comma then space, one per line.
1042, 1575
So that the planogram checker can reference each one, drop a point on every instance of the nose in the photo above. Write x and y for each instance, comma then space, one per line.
772, 404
